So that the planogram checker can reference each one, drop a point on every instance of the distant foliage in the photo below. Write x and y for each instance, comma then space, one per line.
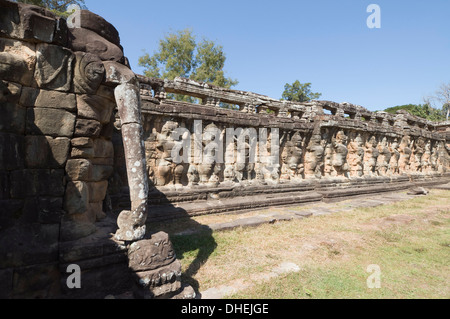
180, 55
57, 6
298, 92
421, 110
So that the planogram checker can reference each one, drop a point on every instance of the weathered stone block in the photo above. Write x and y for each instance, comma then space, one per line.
4, 185
28, 22
12, 118
108, 129
106, 161
10, 92
95, 108
6, 283
11, 151
11, 211
17, 61
82, 152
38, 24
96, 209
159, 282
61, 32
99, 282
100, 149
37, 182
50, 210
97, 191
53, 67
51, 122
36, 282
107, 92
78, 169
48, 99
76, 199
74, 230
46, 152
85, 40
89, 128
24, 245
84, 170
30, 211
101, 172
9, 18
83, 142
152, 253
100, 26
28, 96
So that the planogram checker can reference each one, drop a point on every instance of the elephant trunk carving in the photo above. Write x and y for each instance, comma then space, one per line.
131, 223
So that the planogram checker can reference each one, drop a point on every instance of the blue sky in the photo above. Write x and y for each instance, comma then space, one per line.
325, 42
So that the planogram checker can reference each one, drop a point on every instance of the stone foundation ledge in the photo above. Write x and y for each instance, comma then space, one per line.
171, 205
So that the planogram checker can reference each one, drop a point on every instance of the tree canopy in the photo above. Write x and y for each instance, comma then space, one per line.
298, 92
57, 6
421, 110
180, 55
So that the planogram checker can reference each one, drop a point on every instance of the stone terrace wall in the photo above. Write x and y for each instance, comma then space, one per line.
321, 143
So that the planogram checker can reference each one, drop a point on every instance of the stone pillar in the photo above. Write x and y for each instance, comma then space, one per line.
154, 267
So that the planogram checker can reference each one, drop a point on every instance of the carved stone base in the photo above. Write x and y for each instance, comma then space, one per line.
155, 269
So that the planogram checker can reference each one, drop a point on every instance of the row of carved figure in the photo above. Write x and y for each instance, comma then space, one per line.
332, 153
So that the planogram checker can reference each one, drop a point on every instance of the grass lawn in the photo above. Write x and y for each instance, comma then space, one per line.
409, 241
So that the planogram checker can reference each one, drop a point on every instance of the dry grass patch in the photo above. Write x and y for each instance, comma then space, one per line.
409, 240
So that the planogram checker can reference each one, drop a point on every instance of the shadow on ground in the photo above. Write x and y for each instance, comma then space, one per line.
172, 220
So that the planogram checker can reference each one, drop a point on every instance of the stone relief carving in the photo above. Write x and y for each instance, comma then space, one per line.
314, 157
405, 155
395, 157
356, 156
344, 154
384, 157
370, 157
339, 159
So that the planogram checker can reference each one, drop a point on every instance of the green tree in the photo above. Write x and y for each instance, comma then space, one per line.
443, 96
446, 110
421, 110
440, 100
298, 92
57, 6
179, 55
210, 61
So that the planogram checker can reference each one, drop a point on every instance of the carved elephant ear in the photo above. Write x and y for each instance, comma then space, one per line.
88, 73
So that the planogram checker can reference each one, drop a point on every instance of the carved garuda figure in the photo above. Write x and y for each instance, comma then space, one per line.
314, 157
383, 158
405, 155
339, 160
395, 156
356, 156
416, 156
426, 159
165, 165
370, 157
292, 167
